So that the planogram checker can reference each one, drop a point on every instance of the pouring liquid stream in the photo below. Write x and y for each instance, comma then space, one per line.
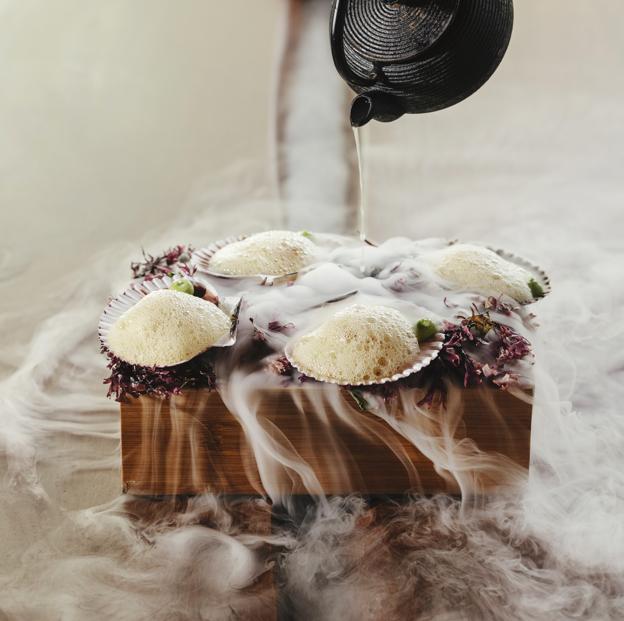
362, 186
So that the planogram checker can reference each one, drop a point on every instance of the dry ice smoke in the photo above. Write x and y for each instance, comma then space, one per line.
396, 274
552, 550
533, 165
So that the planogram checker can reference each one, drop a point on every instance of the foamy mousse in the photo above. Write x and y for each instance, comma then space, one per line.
481, 270
166, 328
358, 344
272, 253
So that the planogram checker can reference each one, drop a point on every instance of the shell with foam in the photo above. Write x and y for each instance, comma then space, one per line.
272, 253
479, 269
166, 328
358, 344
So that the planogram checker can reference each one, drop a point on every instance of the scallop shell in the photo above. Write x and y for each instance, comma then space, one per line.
201, 259
537, 272
138, 290
429, 351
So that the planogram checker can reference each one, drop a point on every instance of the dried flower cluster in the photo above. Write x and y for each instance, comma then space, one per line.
173, 261
477, 350
129, 380
280, 365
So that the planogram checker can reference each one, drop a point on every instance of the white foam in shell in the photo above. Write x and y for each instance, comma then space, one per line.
481, 270
166, 328
273, 253
358, 344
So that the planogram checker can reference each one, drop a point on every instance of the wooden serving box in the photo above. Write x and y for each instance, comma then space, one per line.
192, 443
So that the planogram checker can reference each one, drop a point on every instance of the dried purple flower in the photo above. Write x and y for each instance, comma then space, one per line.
173, 261
280, 366
398, 285
511, 345
468, 338
498, 306
259, 335
130, 380
276, 326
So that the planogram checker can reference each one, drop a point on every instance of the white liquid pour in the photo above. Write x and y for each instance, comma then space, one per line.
359, 149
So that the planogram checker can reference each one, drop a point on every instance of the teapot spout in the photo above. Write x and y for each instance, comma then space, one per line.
376, 105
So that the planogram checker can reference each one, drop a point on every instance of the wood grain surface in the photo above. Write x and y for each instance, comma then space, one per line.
191, 443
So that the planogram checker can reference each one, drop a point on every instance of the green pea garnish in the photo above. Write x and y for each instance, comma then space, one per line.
425, 329
183, 286
537, 291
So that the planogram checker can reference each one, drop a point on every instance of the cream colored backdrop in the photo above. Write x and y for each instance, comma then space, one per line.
116, 114
113, 113
541, 143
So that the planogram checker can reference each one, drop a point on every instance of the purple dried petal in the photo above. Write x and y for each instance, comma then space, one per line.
280, 366
398, 285
133, 381
276, 326
172, 261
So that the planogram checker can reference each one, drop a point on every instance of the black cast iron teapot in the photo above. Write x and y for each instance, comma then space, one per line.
414, 56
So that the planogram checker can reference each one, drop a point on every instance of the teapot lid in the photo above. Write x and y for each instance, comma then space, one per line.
387, 33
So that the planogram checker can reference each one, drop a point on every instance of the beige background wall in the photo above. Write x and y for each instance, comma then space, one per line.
542, 139
114, 112
116, 115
